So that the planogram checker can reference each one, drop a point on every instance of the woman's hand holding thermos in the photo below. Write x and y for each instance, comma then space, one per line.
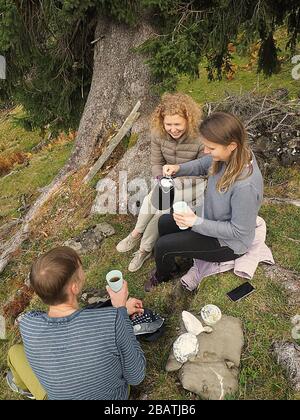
170, 170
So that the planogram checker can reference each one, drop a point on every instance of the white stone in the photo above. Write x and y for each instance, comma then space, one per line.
295, 320
185, 347
2, 328
211, 314
296, 332
2, 67
193, 325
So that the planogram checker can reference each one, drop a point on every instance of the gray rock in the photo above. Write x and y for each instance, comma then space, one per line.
224, 344
74, 244
213, 373
2, 328
92, 295
27, 280
132, 172
93, 300
105, 229
172, 363
288, 356
91, 238
212, 381
288, 280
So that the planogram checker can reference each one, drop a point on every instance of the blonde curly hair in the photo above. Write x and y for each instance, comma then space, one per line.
176, 104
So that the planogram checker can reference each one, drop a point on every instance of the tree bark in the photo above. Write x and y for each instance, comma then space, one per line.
120, 79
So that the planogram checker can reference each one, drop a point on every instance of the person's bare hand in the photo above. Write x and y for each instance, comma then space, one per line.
118, 299
170, 170
134, 307
186, 219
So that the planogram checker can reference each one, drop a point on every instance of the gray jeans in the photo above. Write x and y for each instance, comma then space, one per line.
147, 223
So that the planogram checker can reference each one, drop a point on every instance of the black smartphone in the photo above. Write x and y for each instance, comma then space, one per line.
240, 292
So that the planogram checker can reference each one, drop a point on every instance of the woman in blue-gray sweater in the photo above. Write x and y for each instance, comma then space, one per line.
225, 230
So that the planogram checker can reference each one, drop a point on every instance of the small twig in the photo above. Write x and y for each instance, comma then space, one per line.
6, 176
257, 116
97, 40
275, 200
293, 240
278, 125
263, 103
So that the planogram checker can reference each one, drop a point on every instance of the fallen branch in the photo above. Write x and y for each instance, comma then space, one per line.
4, 229
260, 113
42, 144
6, 176
115, 141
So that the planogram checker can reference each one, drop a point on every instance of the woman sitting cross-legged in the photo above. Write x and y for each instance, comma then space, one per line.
175, 139
232, 200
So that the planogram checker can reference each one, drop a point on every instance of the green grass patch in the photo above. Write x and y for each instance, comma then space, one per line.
283, 234
14, 138
202, 90
26, 180
283, 182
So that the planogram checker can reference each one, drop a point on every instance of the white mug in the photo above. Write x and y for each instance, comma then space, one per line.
181, 207
115, 280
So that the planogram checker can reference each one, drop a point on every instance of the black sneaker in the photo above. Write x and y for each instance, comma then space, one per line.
11, 383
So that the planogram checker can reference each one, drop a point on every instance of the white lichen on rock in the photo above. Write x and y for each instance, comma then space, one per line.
185, 347
193, 325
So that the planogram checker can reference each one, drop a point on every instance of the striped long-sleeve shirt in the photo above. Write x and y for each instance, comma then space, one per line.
92, 354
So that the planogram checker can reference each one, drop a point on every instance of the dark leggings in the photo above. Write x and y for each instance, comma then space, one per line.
174, 242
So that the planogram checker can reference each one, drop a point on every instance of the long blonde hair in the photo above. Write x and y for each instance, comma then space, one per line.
176, 104
224, 128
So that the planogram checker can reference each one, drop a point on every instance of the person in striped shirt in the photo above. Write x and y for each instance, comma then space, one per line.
72, 353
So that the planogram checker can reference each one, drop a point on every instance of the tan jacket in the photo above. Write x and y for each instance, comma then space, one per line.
170, 152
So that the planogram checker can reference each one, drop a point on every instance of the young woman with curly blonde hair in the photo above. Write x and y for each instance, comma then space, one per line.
175, 140
232, 200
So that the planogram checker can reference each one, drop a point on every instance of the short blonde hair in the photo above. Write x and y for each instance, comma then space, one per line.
177, 104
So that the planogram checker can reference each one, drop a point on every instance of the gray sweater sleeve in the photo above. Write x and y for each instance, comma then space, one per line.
132, 356
197, 167
245, 203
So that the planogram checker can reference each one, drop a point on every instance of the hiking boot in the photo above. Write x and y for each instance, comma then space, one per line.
152, 281
11, 383
138, 260
128, 243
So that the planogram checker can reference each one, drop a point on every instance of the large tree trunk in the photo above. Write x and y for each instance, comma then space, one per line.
120, 79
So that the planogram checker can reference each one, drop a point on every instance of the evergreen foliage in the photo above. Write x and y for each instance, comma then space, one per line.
49, 50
